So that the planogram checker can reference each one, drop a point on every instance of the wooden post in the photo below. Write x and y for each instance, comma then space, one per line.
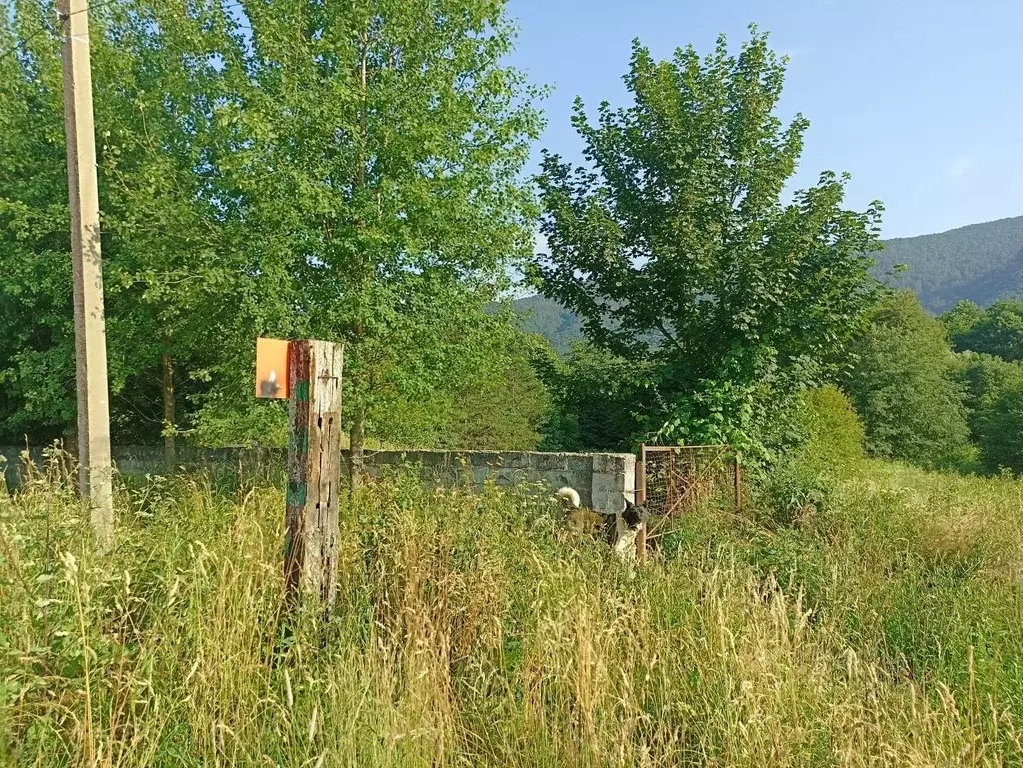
94, 478
314, 471
738, 482
641, 499
169, 415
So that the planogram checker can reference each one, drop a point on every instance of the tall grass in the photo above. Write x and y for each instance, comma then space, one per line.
883, 629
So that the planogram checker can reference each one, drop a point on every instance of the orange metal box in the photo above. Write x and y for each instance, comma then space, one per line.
272, 369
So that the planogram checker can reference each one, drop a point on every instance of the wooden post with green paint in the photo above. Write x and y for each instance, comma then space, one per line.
314, 470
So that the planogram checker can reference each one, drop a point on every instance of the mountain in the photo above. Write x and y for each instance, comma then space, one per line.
980, 262
549, 319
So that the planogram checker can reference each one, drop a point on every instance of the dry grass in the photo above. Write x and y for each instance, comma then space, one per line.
472, 632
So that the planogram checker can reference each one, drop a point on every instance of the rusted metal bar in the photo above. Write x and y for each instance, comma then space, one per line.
641, 499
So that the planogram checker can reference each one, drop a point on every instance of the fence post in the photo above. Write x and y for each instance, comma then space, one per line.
738, 482
314, 470
641, 499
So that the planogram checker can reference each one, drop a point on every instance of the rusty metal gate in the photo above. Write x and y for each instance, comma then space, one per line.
674, 479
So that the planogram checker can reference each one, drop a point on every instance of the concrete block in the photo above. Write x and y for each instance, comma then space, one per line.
460, 473
602, 480
383, 458
516, 460
630, 482
480, 458
608, 482
580, 462
612, 462
609, 489
433, 458
508, 476
557, 480
548, 462
608, 502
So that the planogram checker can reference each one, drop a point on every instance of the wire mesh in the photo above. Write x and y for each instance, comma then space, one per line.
679, 478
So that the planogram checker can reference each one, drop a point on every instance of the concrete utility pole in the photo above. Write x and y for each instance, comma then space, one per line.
90, 332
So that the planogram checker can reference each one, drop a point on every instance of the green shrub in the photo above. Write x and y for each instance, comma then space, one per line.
828, 439
1001, 431
831, 430
994, 404
792, 490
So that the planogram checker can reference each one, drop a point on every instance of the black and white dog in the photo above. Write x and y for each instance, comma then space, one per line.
627, 523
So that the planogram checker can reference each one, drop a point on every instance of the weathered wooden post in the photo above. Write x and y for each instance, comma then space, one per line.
641, 500
738, 482
313, 389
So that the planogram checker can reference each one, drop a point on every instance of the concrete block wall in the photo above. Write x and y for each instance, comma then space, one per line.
140, 460
603, 480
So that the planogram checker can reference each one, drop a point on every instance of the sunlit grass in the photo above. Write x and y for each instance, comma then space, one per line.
884, 629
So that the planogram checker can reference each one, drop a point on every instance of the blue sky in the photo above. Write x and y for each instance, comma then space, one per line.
922, 102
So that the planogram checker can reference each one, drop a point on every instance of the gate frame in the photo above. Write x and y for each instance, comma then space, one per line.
641, 481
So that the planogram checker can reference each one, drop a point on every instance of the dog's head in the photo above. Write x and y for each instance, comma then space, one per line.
634, 515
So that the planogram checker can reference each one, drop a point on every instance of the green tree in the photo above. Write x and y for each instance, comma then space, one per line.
902, 384
348, 172
992, 386
595, 396
497, 404
676, 249
504, 406
998, 330
165, 291
1000, 437
983, 378
830, 431
961, 320
37, 343
376, 159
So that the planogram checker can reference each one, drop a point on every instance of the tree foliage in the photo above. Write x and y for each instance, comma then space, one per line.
992, 390
597, 399
674, 246
1000, 434
998, 330
902, 384
990, 369
831, 432
342, 171
499, 406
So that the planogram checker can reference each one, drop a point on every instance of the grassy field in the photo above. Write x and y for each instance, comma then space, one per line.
883, 627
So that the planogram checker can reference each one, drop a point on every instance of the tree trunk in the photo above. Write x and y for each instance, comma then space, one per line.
169, 448
357, 444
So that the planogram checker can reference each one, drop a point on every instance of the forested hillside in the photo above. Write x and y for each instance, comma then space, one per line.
980, 262
549, 319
